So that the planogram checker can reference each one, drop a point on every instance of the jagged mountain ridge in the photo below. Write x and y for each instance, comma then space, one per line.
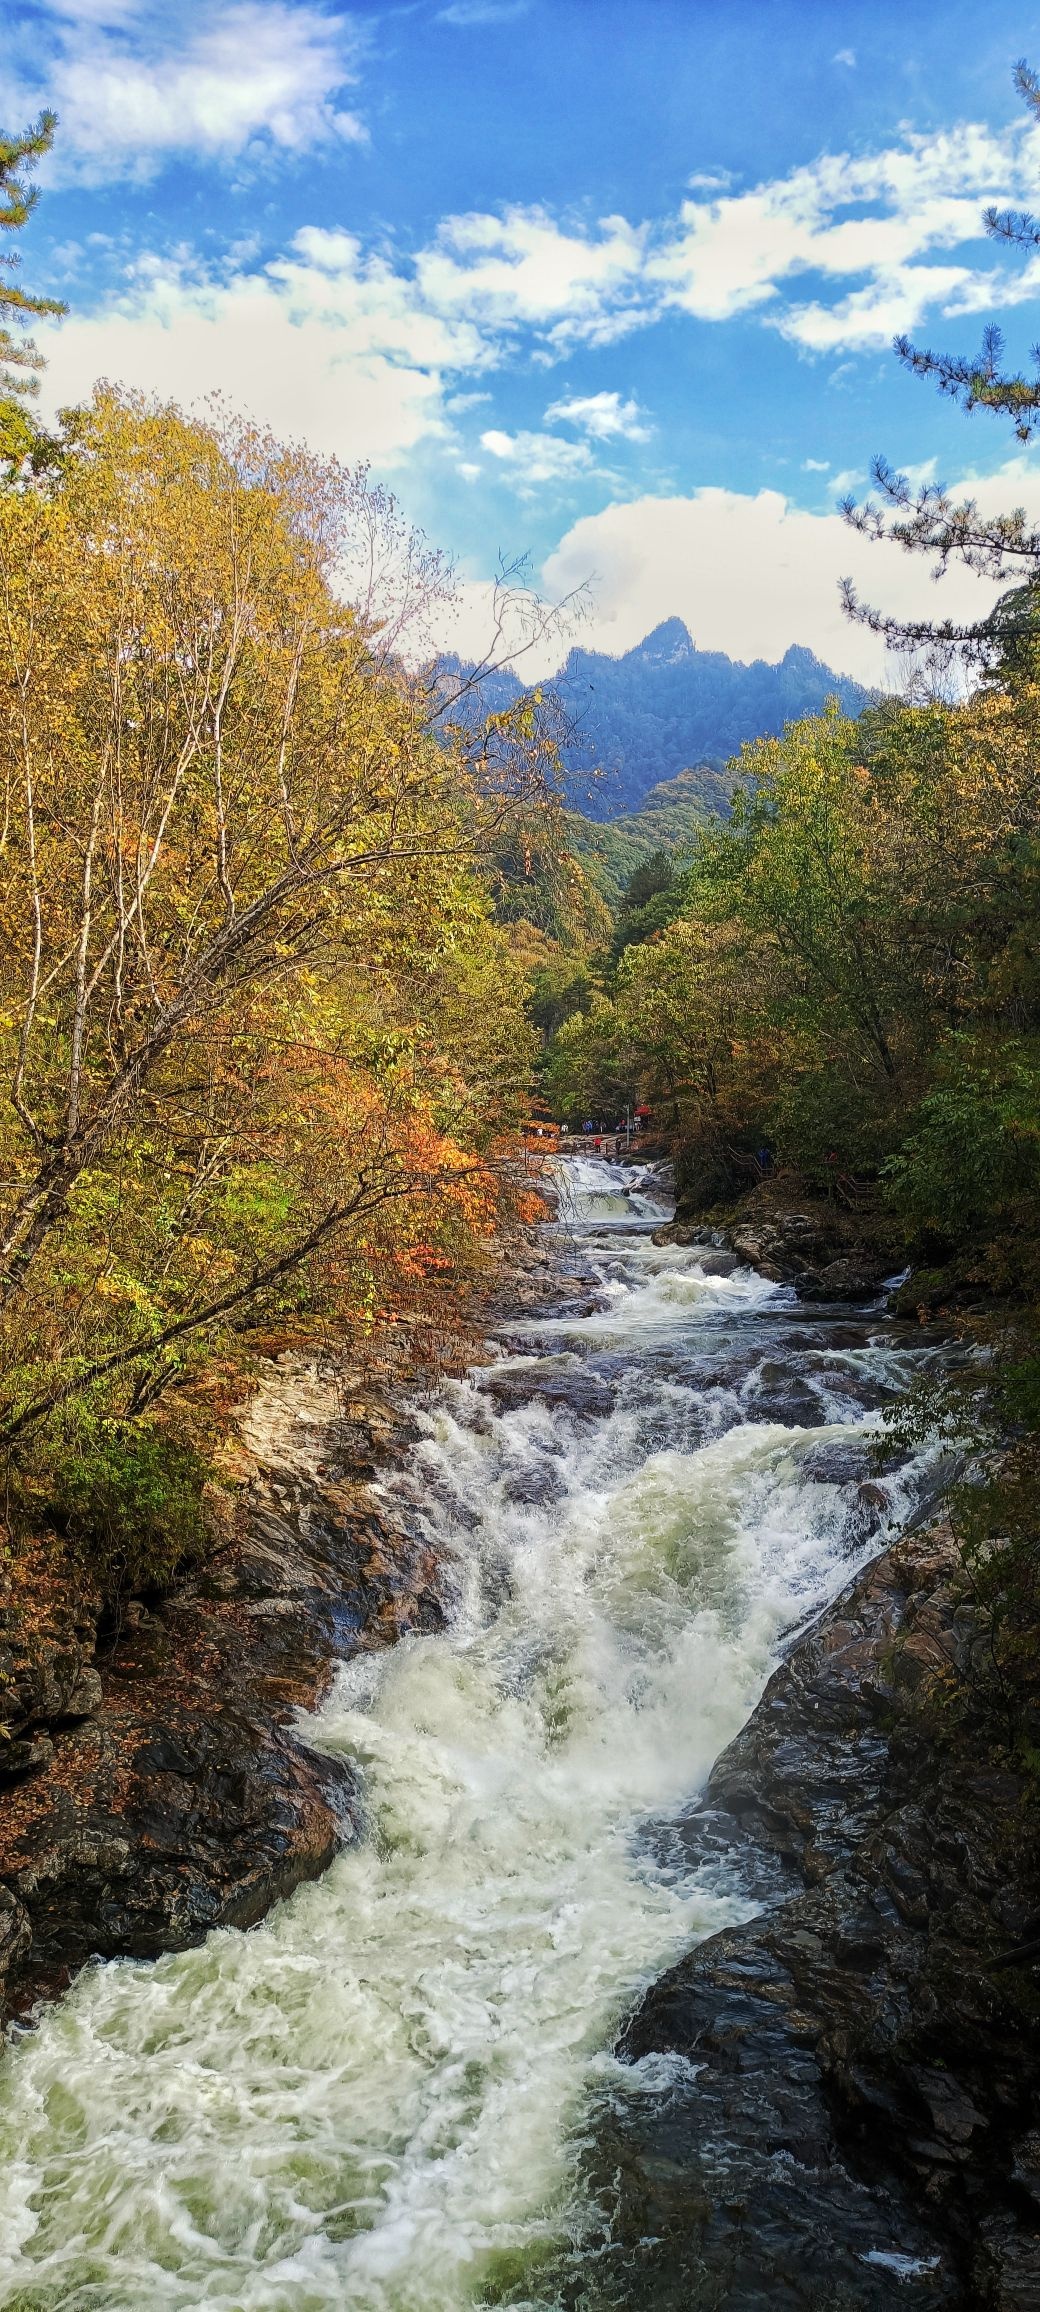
665, 707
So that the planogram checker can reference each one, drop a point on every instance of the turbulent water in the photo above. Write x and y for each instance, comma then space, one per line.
376, 2098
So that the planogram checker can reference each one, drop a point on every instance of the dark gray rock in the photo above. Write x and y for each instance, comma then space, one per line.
854, 1277
821, 1252
838, 2106
161, 1789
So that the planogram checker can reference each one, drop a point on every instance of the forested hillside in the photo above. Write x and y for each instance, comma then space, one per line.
663, 709
670, 819
259, 1035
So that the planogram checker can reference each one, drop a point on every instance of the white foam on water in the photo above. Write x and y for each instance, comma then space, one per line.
903, 2267
371, 2099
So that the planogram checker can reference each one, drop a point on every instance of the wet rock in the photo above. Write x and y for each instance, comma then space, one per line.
839, 2105
835, 1463
15, 1937
827, 1252
855, 1278
534, 1486
1009, 2271
169, 1792
713, 1262
578, 1389
785, 1396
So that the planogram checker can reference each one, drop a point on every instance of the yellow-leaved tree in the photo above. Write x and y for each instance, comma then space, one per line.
258, 1032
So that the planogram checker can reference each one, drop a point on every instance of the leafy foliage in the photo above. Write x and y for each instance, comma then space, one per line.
128, 1499
260, 1037
851, 944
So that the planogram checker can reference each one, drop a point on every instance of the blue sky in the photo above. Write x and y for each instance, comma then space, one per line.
609, 284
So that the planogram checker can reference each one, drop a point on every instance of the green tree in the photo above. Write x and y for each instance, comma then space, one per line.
20, 359
928, 520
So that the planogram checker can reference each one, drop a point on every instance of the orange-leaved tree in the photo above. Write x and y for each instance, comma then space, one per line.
251, 998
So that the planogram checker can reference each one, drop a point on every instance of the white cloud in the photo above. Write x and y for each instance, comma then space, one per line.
852, 481
361, 352
372, 352
524, 269
324, 345
604, 416
753, 574
845, 56
255, 73
733, 255
816, 465
531, 460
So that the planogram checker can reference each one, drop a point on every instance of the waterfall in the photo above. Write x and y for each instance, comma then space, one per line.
374, 2098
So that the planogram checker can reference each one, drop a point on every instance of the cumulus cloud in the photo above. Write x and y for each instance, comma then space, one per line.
524, 269
753, 574
255, 73
372, 350
359, 351
323, 344
602, 415
840, 253
531, 460
750, 574
736, 254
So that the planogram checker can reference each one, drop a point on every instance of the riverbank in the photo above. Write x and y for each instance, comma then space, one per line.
158, 1789
836, 2105
829, 1248
597, 1543
152, 1783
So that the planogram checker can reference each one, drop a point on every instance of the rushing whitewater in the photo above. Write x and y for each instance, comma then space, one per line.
375, 2099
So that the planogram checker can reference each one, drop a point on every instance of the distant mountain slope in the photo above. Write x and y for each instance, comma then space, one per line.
646, 716
670, 817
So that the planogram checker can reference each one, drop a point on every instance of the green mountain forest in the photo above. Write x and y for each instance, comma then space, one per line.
630, 723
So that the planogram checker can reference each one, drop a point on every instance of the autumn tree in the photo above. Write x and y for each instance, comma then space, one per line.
251, 996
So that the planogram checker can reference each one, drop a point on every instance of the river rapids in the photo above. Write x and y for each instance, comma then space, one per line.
377, 2098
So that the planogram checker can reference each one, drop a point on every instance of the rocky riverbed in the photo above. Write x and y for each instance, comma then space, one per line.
837, 2104
154, 1785
593, 1546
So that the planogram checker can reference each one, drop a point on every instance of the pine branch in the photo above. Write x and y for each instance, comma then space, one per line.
20, 359
978, 383
931, 521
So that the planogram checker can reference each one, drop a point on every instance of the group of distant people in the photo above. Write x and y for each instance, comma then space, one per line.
600, 1132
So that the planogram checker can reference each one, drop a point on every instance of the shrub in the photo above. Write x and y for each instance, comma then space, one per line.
128, 1499
971, 1164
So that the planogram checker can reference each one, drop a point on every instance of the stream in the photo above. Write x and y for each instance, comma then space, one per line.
377, 2098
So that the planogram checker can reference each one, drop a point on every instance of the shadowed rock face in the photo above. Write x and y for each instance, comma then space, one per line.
154, 1788
836, 2106
163, 1791
819, 1252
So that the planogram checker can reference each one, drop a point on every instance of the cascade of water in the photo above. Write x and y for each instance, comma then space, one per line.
373, 2098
